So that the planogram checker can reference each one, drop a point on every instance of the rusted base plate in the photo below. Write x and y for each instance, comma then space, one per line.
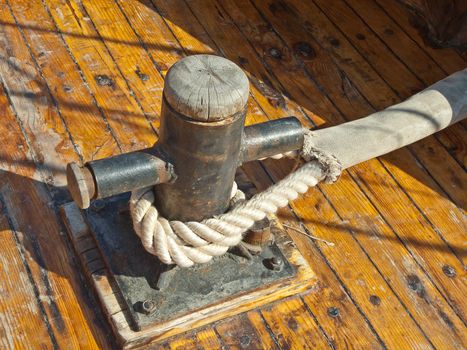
124, 276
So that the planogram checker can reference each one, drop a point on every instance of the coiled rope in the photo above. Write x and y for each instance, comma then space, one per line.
187, 243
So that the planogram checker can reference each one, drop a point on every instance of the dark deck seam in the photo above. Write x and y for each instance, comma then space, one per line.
376, 267
268, 69
410, 37
124, 78
268, 328
49, 91
83, 78
323, 332
35, 289
336, 275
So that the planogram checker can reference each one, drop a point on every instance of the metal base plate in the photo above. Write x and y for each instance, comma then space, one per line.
136, 272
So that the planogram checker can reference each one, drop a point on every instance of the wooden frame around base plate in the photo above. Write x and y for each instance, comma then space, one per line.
116, 310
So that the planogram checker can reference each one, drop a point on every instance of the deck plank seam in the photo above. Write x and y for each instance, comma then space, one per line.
283, 91
436, 230
337, 276
39, 70
378, 269
409, 36
269, 329
387, 281
124, 78
427, 274
83, 78
328, 338
25, 263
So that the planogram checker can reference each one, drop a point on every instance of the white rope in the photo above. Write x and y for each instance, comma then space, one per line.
187, 243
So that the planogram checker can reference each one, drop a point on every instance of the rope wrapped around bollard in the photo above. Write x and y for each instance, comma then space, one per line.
187, 243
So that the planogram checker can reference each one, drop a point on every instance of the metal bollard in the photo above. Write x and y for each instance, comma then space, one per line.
202, 142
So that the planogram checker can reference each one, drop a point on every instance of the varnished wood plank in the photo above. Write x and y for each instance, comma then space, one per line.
293, 327
111, 89
451, 177
447, 58
204, 338
397, 211
157, 38
356, 272
246, 331
22, 319
454, 141
208, 339
33, 105
396, 39
64, 302
444, 215
128, 52
268, 340
354, 28
83, 119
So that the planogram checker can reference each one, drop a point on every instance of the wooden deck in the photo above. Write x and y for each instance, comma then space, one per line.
82, 79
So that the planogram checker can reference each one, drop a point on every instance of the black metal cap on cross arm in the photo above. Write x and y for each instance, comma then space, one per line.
202, 141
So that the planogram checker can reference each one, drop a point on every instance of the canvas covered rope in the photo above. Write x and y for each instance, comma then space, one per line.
187, 243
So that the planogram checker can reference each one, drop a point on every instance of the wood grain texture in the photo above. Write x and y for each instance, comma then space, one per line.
84, 80
207, 88
71, 95
448, 59
55, 282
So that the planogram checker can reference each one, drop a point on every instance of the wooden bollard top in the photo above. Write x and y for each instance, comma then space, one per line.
206, 88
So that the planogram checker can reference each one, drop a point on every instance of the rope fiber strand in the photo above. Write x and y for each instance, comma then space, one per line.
187, 243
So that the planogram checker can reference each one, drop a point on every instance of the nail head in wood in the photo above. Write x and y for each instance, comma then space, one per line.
206, 88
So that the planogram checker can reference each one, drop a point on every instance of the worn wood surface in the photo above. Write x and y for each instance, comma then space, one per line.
81, 80
116, 309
